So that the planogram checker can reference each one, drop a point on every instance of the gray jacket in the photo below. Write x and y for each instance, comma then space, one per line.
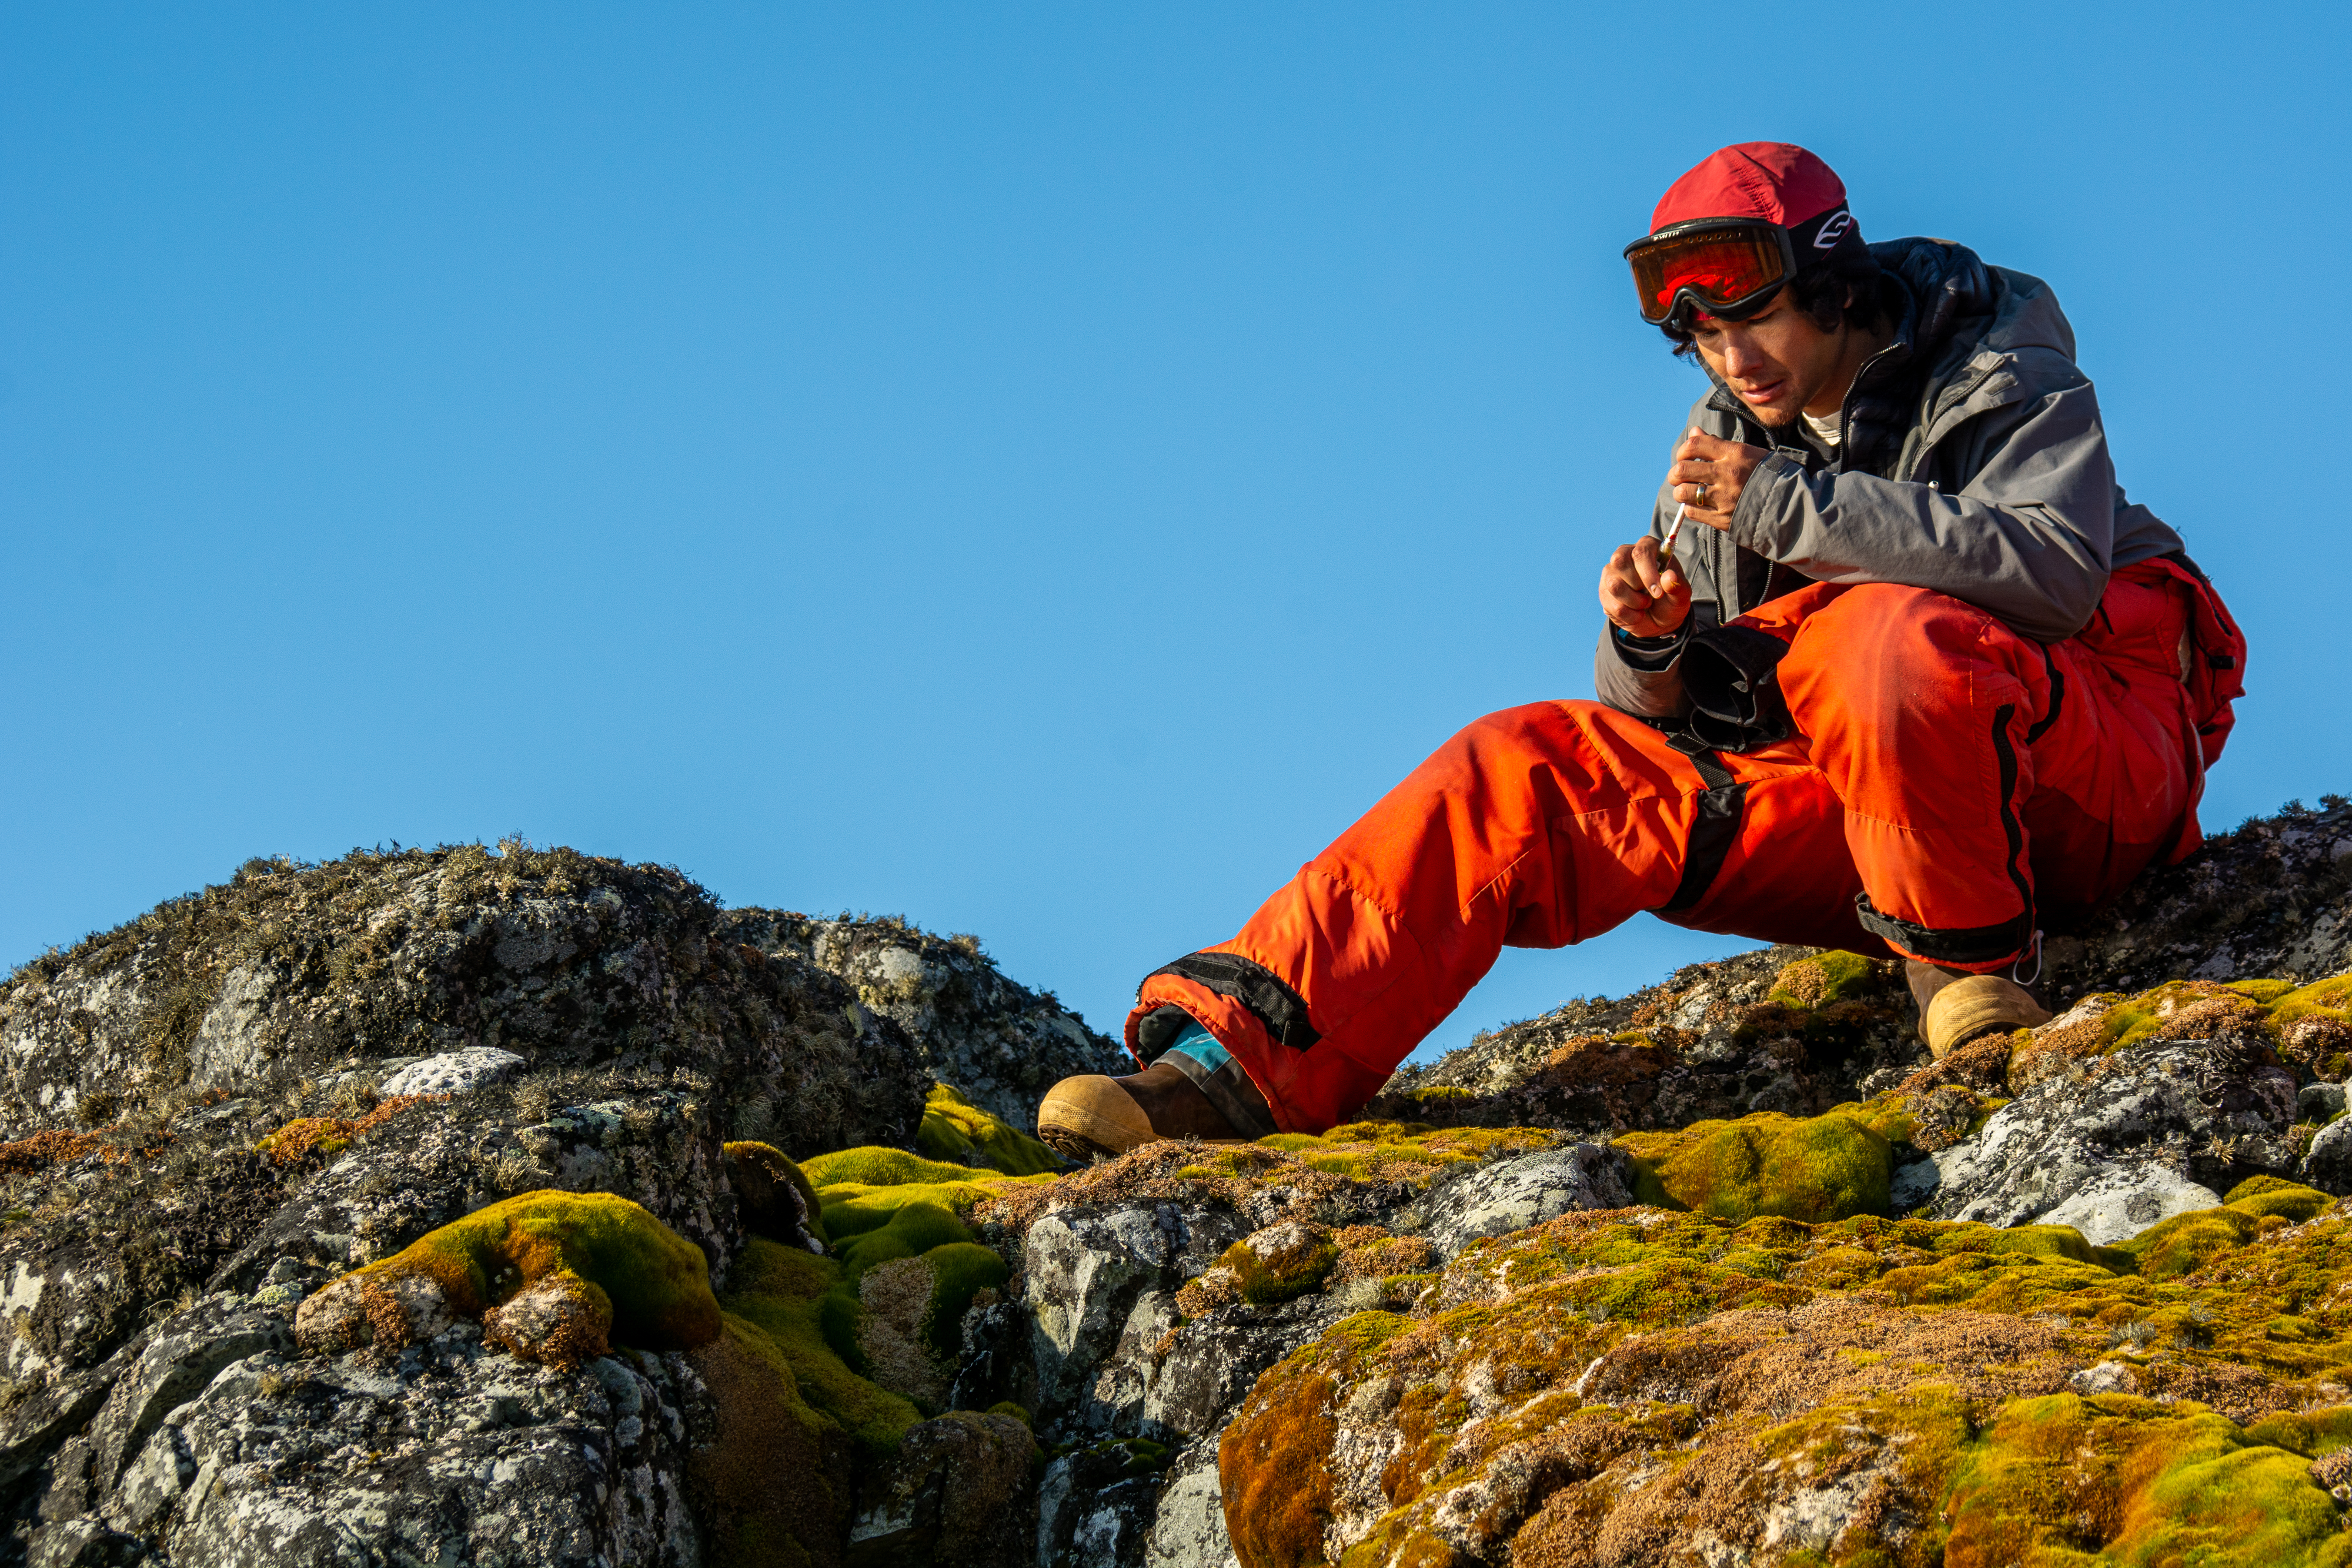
1984, 475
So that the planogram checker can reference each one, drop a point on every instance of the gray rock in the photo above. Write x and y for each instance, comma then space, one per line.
1099, 1277
1514, 1194
178, 1359
2319, 1102
2123, 1200
2106, 1377
1001, 1044
2211, 1112
73, 1544
454, 1455
2269, 899
2327, 1163
1095, 1507
1211, 1365
452, 1071
291, 972
1188, 1526
58, 1406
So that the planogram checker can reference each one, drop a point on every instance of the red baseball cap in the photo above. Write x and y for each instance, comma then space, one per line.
1776, 180
1728, 236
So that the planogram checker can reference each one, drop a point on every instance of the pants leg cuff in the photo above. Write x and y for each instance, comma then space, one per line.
1196, 1054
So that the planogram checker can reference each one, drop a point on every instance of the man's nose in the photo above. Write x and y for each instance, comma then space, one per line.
1741, 360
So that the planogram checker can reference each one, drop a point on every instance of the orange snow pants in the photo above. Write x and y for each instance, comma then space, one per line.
1950, 789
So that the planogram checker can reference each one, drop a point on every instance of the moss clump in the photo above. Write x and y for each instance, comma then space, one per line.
1275, 1458
2185, 1243
862, 1190
2056, 1241
2292, 1201
960, 1272
882, 1207
2329, 1000
555, 1276
2059, 1478
910, 1230
958, 1132
782, 1292
1824, 980
1280, 1265
1821, 1169
775, 1485
327, 1136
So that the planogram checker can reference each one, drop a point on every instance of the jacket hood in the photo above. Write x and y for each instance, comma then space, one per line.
1950, 300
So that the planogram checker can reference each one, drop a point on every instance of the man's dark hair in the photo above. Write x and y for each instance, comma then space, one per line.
1853, 289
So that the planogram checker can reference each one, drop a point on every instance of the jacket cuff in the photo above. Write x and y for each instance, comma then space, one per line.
1649, 652
1761, 499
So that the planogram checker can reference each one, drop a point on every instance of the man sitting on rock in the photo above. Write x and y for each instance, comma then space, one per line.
1920, 683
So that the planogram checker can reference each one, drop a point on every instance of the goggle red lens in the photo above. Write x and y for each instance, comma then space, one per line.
1721, 269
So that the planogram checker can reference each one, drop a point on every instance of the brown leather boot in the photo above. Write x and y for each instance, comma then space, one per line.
1082, 1118
1955, 1007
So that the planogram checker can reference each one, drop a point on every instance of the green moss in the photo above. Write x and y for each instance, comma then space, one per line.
2186, 1242
766, 1486
866, 1189
958, 1132
961, 1270
782, 1293
2328, 998
648, 1283
2263, 991
2137, 1483
2038, 1241
2311, 1433
1267, 1280
1824, 980
1823, 1168
911, 1230
873, 1166
2259, 1196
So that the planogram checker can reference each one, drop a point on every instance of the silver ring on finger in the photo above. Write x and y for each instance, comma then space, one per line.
1701, 494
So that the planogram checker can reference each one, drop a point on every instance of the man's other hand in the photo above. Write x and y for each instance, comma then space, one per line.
1636, 596
1708, 474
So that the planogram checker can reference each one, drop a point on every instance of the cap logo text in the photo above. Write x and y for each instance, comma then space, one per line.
1834, 231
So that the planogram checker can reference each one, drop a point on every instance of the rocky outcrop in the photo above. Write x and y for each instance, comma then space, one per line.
346, 973
998, 1042
521, 1207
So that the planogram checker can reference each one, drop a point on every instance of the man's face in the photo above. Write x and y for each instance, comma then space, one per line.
1777, 360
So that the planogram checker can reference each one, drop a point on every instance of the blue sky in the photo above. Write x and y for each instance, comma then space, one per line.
1042, 470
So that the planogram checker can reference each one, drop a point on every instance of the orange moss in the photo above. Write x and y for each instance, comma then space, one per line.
1273, 1460
328, 1135
52, 1146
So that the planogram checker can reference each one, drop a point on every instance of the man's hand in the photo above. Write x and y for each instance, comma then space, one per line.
1639, 598
1708, 474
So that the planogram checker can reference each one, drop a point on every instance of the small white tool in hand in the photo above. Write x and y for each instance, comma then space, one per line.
1666, 551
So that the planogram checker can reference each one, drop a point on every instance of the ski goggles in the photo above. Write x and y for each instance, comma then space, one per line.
1716, 267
